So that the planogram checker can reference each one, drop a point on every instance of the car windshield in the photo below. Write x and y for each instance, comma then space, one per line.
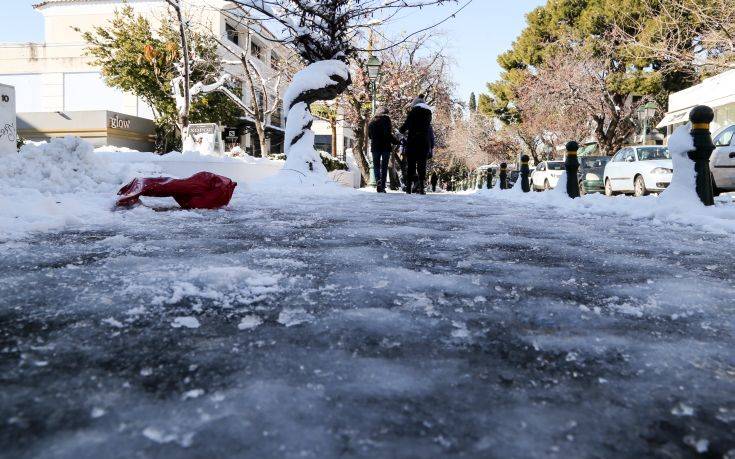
652, 153
595, 161
556, 166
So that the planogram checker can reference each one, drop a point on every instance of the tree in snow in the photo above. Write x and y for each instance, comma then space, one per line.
326, 35
264, 86
141, 60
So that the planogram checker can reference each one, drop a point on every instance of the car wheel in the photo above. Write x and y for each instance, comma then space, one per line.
582, 191
547, 185
639, 187
608, 188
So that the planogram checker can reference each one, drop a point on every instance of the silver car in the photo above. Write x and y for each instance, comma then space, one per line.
722, 160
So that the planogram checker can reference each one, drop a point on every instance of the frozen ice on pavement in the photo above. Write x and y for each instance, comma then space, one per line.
363, 325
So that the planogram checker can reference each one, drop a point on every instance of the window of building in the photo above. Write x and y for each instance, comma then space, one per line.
232, 34
323, 142
259, 98
275, 61
277, 116
256, 50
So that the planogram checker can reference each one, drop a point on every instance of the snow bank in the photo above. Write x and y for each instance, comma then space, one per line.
48, 186
64, 165
682, 191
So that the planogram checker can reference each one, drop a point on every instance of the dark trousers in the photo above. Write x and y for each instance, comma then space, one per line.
415, 166
380, 167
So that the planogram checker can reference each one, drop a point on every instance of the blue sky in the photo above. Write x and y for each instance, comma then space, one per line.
476, 36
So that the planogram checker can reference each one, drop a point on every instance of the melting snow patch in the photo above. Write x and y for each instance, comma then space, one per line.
194, 393
249, 322
682, 409
186, 322
292, 317
159, 436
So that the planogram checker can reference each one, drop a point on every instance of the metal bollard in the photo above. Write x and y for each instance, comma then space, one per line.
525, 172
701, 116
503, 176
571, 165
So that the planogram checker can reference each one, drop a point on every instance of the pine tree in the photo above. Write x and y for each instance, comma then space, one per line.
473, 103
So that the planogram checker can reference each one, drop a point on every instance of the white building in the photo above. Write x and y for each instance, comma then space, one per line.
59, 91
717, 92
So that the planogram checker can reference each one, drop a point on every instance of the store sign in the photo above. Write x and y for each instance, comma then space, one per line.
231, 134
8, 135
119, 123
202, 128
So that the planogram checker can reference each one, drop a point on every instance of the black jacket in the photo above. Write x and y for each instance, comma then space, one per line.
418, 127
380, 132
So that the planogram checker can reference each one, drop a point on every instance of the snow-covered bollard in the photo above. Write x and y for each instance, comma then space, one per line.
701, 116
525, 172
489, 178
571, 166
503, 176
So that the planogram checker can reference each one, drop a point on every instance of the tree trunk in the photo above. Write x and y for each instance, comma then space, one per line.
333, 125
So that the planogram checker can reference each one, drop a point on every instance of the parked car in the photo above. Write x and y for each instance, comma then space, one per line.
546, 175
722, 160
639, 170
591, 171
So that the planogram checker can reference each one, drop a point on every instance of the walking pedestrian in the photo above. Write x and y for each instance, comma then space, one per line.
418, 130
380, 132
434, 181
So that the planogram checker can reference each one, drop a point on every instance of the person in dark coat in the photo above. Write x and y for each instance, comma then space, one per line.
380, 132
417, 128
434, 181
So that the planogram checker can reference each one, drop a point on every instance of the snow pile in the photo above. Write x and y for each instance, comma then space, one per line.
63, 182
682, 191
561, 186
316, 75
64, 165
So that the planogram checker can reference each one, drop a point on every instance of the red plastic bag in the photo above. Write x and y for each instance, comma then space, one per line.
203, 190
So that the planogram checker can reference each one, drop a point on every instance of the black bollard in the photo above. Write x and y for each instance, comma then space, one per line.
701, 116
489, 179
525, 172
571, 164
503, 176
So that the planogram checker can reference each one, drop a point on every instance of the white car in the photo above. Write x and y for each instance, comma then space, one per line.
546, 175
722, 160
639, 170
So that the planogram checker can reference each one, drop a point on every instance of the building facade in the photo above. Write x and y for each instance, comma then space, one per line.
57, 79
717, 92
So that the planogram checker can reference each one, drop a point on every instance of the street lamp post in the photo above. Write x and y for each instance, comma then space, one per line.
373, 71
646, 112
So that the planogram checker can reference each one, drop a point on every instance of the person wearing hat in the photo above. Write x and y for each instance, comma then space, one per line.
380, 132
419, 143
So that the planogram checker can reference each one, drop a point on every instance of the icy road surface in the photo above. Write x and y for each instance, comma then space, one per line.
368, 326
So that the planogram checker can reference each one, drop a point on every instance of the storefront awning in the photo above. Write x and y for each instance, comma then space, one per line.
680, 116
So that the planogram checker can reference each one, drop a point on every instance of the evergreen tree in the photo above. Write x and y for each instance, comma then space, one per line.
584, 27
473, 103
